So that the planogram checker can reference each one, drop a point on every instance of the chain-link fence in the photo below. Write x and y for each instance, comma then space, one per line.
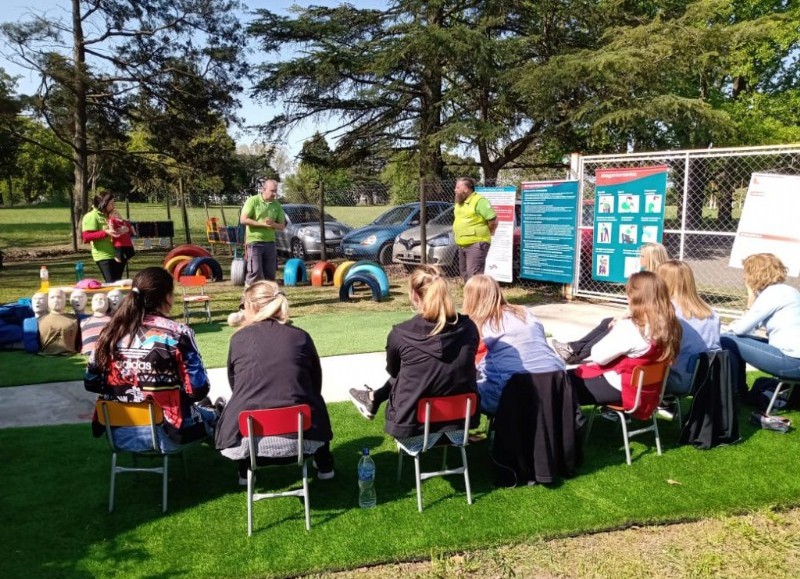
705, 193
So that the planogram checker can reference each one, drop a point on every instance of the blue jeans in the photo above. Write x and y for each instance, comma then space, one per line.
758, 353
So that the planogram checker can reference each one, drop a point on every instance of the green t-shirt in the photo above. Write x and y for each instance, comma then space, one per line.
256, 208
101, 248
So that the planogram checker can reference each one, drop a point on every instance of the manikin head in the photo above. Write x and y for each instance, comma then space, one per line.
56, 301
39, 304
77, 300
99, 304
114, 298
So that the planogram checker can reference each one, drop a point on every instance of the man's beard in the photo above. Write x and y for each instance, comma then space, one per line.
461, 197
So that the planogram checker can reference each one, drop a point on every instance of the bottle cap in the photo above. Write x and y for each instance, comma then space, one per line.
365, 451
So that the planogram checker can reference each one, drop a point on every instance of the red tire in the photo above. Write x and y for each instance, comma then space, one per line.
186, 249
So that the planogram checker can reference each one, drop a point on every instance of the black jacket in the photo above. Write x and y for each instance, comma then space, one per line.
420, 365
271, 365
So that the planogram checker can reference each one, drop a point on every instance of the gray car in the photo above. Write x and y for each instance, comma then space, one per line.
441, 248
302, 238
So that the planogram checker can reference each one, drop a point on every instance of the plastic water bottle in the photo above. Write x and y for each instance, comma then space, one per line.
366, 481
78, 271
44, 278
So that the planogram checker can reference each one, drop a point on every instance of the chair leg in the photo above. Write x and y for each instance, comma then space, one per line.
466, 474
399, 463
113, 480
625, 438
679, 411
658, 437
444, 458
306, 497
419, 483
164, 484
249, 502
778, 389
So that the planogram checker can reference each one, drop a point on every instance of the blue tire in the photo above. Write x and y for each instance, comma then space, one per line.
213, 264
30, 335
376, 271
346, 291
294, 272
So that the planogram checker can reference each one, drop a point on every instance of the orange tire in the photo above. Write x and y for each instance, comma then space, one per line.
186, 249
323, 272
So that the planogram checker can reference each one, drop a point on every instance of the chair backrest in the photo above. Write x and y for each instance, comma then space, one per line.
193, 280
446, 409
112, 414
275, 422
646, 390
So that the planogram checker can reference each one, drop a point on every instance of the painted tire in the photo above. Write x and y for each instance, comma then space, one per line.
237, 272
174, 261
347, 287
30, 335
178, 271
375, 271
197, 262
341, 271
186, 249
323, 272
294, 272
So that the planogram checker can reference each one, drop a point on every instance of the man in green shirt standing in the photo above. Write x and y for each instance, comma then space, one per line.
474, 223
263, 216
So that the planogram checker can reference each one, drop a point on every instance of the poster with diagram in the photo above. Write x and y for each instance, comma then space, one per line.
629, 211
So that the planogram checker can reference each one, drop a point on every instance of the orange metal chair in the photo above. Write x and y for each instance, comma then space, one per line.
187, 283
643, 397
435, 410
276, 422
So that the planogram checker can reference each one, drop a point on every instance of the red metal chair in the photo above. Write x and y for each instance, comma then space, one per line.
436, 410
276, 422
639, 401
187, 282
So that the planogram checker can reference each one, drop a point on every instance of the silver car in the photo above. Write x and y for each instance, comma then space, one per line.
302, 238
441, 249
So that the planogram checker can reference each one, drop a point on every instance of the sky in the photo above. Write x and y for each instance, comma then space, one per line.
253, 113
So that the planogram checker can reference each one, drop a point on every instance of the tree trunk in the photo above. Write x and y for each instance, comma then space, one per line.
184, 211
79, 153
699, 178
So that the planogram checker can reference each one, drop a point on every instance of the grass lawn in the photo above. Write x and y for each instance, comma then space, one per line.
57, 524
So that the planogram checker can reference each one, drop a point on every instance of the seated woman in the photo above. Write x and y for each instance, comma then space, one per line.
514, 340
432, 354
775, 306
651, 255
272, 364
699, 323
650, 334
143, 355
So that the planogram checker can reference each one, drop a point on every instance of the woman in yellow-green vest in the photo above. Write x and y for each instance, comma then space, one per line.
473, 225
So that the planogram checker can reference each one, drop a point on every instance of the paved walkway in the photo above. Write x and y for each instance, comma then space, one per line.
69, 403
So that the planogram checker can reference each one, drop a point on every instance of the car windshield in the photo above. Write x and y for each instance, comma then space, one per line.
305, 214
445, 218
396, 216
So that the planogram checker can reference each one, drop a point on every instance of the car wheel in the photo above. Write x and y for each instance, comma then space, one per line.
298, 249
385, 255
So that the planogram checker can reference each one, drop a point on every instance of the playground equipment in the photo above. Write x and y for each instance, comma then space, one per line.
348, 287
197, 263
229, 236
370, 268
323, 271
294, 271
341, 271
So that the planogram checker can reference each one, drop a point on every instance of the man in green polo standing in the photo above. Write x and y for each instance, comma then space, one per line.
473, 226
263, 216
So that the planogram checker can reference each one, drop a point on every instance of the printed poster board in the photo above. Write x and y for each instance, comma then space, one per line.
499, 261
769, 221
628, 211
549, 222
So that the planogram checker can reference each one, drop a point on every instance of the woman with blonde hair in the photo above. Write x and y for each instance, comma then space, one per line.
651, 255
700, 323
650, 334
775, 306
272, 364
432, 354
513, 337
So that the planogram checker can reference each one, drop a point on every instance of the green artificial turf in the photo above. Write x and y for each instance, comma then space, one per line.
56, 524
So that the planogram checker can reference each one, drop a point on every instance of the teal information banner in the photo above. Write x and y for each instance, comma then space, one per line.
629, 211
549, 221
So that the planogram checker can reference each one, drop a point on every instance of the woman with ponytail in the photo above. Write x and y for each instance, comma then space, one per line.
141, 354
432, 354
272, 364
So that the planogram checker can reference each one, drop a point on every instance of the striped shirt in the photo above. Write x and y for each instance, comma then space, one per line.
90, 331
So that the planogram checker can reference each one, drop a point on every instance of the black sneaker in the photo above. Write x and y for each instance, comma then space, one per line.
363, 401
563, 349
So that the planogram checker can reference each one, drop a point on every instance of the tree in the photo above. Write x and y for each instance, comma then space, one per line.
318, 166
133, 51
10, 107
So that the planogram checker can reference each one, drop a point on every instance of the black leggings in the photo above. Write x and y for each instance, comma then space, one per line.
595, 390
111, 269
581, 349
